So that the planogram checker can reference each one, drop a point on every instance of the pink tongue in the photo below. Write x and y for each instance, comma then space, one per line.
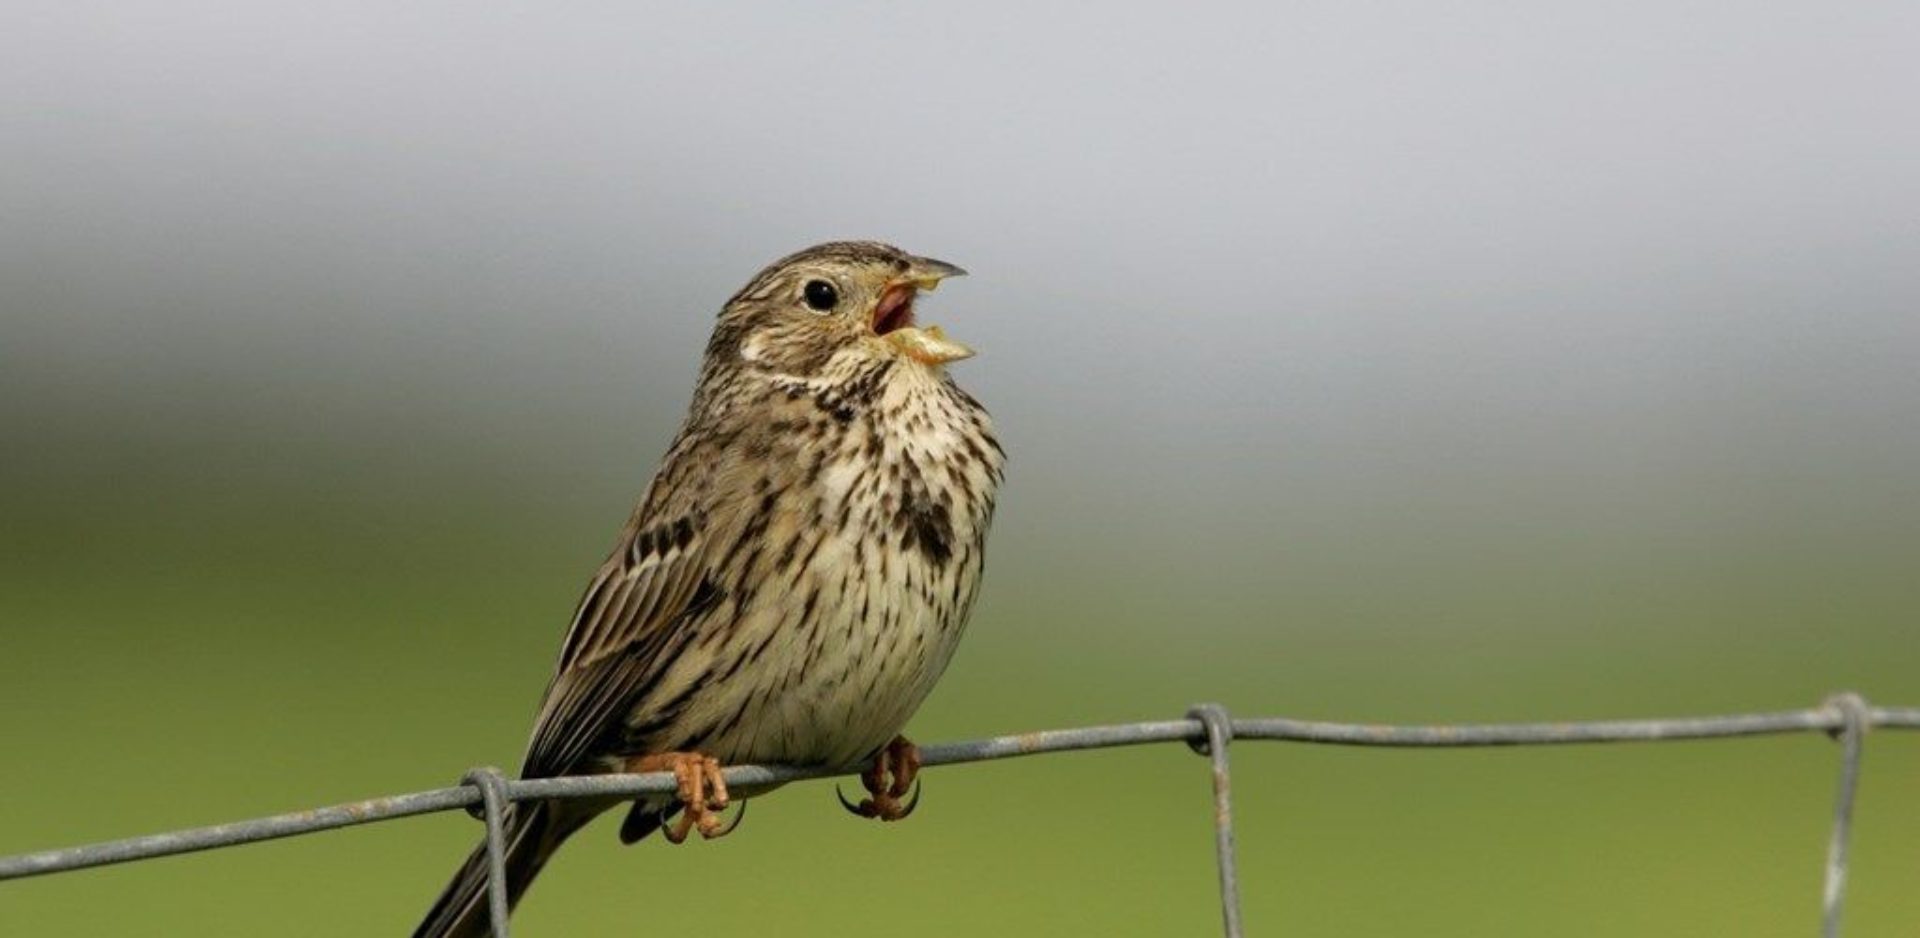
900, 314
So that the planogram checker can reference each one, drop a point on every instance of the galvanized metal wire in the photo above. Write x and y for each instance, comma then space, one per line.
1219, 732
1207, 728
1856, 717
493, 804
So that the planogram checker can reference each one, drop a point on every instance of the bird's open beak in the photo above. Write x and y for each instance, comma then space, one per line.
893, 315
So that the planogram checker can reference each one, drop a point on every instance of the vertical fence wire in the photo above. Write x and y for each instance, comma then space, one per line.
1853, 737
1219, 733
492, 809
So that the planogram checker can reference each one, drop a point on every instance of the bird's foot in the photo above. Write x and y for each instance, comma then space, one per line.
887, 781
703, 793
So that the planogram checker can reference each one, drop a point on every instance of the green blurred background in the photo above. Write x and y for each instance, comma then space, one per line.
1406, 362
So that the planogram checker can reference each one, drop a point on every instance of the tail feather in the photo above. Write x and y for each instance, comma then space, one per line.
533, 833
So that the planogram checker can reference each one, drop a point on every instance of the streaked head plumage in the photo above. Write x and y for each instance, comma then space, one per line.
838, 300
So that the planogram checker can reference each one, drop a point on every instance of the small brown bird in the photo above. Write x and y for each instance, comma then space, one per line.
794, 580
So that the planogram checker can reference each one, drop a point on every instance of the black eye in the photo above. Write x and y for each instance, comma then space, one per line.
821, 295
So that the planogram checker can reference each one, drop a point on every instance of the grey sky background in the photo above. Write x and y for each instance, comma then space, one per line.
1256, 286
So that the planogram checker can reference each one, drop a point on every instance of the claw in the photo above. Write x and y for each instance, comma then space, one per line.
738, 816
852, 808
913, 801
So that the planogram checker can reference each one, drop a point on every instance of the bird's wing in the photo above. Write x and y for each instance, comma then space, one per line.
624, 633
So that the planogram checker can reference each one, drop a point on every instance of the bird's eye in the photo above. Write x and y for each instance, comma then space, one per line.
820, 295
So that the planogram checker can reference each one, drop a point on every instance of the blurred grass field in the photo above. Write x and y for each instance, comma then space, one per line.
185, 652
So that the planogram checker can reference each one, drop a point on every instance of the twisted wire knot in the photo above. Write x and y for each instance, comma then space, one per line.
1856, 716
1216, 727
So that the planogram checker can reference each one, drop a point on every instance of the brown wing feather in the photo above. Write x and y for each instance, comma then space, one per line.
613, 649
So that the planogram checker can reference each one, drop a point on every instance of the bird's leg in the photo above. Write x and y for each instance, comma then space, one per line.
905, 757
702, 793
888, 780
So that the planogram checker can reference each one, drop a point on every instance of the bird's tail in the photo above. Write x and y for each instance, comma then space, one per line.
534, 831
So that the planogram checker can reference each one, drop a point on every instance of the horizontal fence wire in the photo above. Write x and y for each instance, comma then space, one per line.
1208, 729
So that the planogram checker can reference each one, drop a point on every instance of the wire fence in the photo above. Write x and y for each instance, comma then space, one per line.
1207, 728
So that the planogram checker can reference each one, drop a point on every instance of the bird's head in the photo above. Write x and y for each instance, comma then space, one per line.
839, 304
